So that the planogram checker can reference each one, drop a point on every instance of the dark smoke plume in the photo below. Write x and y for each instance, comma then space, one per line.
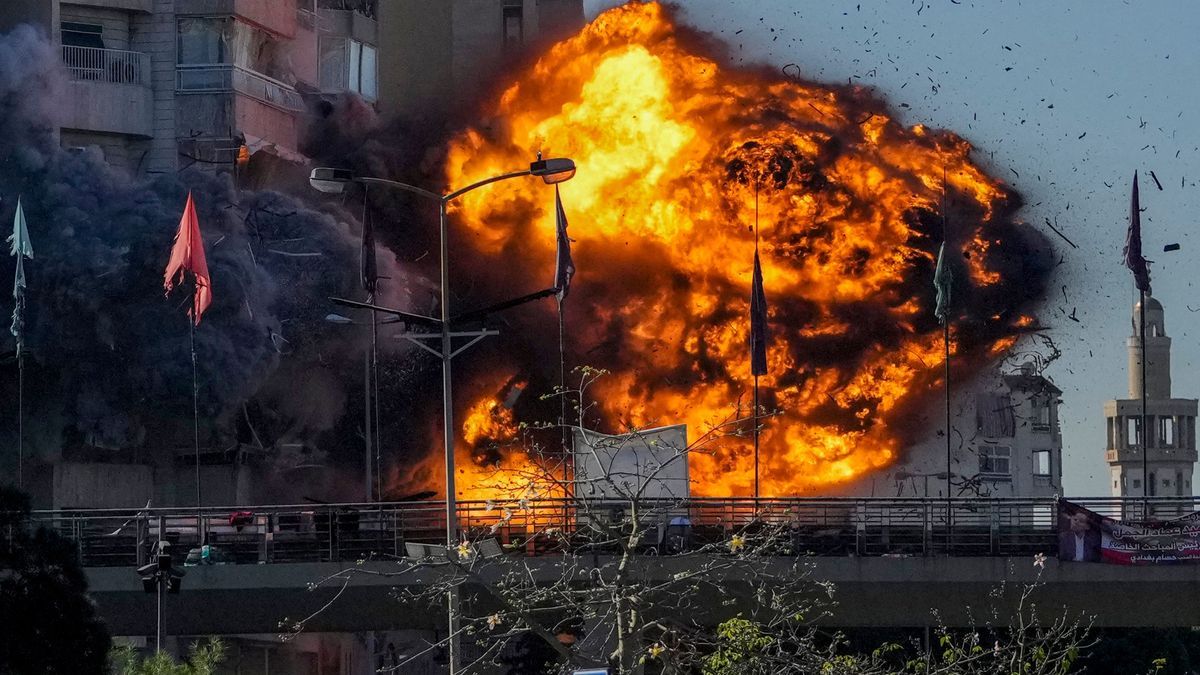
110, 373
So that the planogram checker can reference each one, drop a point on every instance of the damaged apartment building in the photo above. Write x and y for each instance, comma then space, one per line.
159, 86
227, 87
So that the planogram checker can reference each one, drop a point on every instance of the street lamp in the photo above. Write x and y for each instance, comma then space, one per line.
334, 181
158, 576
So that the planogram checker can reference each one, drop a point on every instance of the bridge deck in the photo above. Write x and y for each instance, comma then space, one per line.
893, 561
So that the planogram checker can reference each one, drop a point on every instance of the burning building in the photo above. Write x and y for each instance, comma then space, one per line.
681, 160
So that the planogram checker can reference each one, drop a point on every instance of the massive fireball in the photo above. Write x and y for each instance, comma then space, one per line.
679, 157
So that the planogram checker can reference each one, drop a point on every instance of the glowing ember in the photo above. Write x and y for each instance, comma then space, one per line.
676, 156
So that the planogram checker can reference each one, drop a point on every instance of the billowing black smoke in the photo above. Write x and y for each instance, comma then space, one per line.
109, 371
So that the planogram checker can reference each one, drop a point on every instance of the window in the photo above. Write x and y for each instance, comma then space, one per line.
1179, 483
514, 26
1041, 463
368, 84
204, 41
1152, 485
349, 65
333, 64
355, 64
1041, 412
82, 35
1166, 432
1137, 483
994, 415
204, 47
1133, 436
994, 459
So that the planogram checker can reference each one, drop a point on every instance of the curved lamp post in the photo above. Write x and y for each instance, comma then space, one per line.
334, 181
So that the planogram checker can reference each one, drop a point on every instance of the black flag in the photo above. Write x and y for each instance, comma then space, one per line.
368, 266
1134, 259
760, 336
564, 267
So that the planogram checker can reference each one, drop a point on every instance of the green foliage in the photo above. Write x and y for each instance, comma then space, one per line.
1162, 651
739, 645
203, 660
48, 625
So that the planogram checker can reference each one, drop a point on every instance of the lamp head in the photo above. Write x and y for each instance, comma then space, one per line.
552, 171
330, 181
339, 319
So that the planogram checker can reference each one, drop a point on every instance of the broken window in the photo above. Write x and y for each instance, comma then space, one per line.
204, 41
994, 415
995, 459
349, 65
514, 25
1041, 412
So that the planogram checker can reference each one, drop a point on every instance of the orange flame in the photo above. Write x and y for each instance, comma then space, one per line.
679, 159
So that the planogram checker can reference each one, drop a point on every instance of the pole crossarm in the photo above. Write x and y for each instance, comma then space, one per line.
406, 317
483, 313
477, 334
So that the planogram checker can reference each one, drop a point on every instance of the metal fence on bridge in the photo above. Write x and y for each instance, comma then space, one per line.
347, 532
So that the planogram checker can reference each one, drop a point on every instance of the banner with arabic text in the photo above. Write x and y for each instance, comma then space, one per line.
1087, 536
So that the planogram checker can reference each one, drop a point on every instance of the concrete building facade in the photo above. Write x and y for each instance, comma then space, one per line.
1005, 441
1169, 450
162, 85
443, 54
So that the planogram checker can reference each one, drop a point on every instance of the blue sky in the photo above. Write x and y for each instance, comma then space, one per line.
1063, 101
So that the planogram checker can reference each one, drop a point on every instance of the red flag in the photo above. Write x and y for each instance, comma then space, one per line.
188, 256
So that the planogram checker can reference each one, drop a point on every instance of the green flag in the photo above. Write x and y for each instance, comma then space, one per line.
943, 279
22, 249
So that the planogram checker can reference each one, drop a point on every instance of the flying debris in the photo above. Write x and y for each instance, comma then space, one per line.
848, 199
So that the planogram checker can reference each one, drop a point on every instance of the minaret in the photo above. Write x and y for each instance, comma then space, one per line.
1171, 443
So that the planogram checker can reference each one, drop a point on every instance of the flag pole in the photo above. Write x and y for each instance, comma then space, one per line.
21, 418
946, 344
378, 444
757, 492
562, 412
1145, 432
195, 399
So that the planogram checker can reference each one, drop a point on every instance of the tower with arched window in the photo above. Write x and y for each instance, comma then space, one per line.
1170, 446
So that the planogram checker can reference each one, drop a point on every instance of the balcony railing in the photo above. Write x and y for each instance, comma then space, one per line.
220, 77
114, 66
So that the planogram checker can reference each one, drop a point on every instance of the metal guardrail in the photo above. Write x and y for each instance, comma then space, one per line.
347, 532
218, 77
114, 66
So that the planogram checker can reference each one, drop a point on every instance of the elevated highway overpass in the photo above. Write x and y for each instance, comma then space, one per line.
893, 562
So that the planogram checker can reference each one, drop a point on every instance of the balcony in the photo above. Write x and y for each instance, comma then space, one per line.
220, 78
110, 91
113, 66
146, 6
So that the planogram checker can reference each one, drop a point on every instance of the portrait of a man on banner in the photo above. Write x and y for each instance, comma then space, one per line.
1079, 535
